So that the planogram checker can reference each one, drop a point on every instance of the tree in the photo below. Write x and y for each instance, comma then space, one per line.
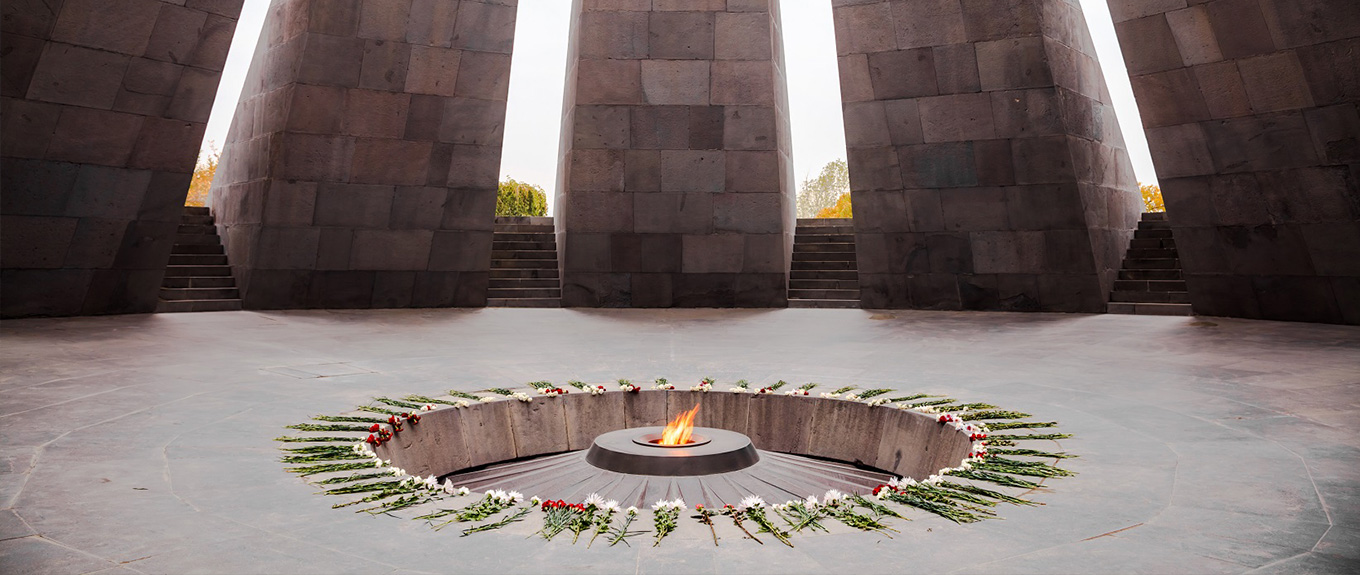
840, 210
825, 190
521, 199
204, 172
1152, 198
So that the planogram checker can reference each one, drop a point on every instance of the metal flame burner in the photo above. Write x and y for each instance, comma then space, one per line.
635, 451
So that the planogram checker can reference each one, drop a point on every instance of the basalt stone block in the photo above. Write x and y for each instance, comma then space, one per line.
780, 423
645, 408
491, 423
642, 170
903, 74
719, 408
681, 35
540, 426
588, 416
340, 289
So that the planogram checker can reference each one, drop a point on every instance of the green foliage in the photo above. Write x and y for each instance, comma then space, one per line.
822, 192
516, 198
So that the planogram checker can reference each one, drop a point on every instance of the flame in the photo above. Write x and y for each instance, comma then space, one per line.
677, 432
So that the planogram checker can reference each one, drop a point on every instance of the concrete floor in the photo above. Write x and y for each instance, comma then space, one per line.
143, 443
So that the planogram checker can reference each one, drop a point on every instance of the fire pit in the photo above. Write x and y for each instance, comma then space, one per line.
636, 451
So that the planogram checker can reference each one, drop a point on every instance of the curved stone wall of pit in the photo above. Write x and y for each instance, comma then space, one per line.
903, 442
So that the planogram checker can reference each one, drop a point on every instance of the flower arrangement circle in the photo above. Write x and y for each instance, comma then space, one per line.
341, 454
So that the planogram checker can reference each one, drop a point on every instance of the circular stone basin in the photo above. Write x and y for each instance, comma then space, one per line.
634, 451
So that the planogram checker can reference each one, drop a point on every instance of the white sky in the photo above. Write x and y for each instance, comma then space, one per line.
536, 79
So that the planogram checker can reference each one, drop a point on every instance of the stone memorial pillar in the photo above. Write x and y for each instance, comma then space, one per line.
676, 184
986, 166
104, 106
362, 166
1251, 114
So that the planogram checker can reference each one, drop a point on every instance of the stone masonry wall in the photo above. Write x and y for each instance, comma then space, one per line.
361, 168
104, 105
986, 166
675, 188
1251, 114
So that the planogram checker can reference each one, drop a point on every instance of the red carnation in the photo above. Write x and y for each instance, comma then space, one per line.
371, 439
375, 427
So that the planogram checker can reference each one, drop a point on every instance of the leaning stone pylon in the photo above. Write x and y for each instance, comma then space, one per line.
986, 166
675, 187
362, 166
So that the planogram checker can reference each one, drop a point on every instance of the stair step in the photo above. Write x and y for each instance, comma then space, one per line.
524, 283
1154, 216
198, 239
1154, 225
198, 282
190, 305
544, 246
524, 293
188, 219
1176, 309
199, 293
196, 210
1142, 234
197, 229
818, 265
1128, 274
1150, 297
512, 273
802, 284
824, 303
1152, 243
823, 256
524, 302
198, 259
197, 271
197, 249
524, 255
823, 274
524, 264
509, 237
1154, 254
848, 248
823, 239
823, 231
845, 294
1152, 264
524, 228
1150, 285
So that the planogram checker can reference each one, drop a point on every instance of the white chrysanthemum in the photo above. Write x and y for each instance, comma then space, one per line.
810, 502
487, 399
515, 496
678, 503
738, 390
660, 504
611, 506
751, 501
593, 499
448, 487
521, 396
852, 397
535, 501
460, 404
399, 472
829, 395
463, 491
631, 510
832, 497
882, 494
877, 401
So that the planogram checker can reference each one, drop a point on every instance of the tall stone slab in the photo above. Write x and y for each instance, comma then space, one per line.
1251, 114
104, 105
987, 169
675, 185
362, 166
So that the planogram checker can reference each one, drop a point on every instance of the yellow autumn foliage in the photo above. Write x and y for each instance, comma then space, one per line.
1152, 198
841, 209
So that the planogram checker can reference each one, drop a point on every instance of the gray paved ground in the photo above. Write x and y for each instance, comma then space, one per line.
143, 443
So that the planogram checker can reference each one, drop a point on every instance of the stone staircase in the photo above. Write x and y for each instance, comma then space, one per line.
198, 277
824, 273
1150, 282
524, 270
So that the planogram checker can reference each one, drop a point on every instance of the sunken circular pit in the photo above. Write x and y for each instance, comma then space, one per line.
723, 451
